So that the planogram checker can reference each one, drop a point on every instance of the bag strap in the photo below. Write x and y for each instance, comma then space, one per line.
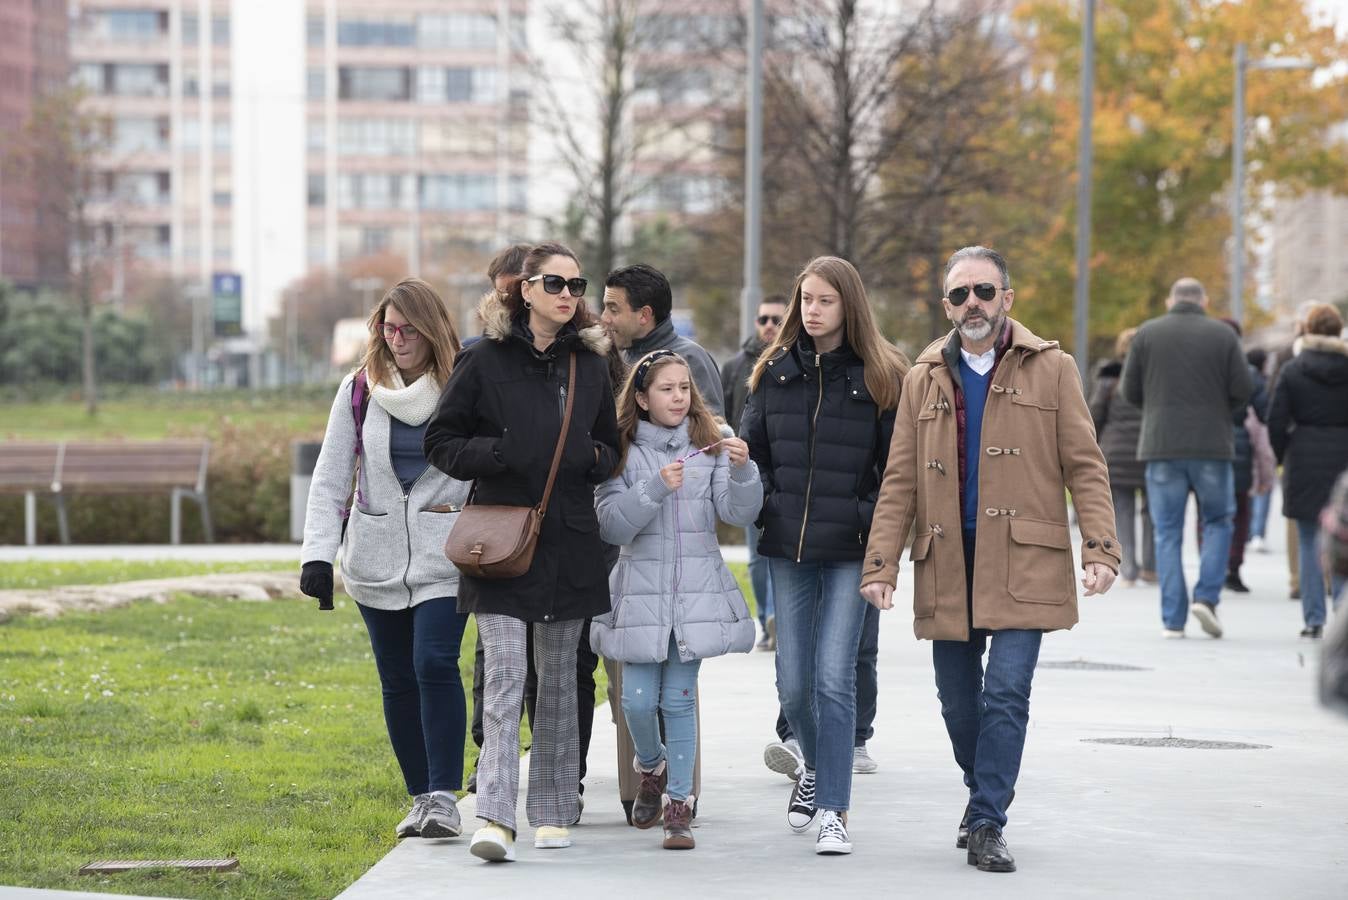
561, 438
360, 403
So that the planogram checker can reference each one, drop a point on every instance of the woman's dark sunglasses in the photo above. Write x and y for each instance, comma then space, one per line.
984, 291
553, 284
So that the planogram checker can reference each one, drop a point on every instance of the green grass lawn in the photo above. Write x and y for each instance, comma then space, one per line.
29, 575
149, 415
199, 728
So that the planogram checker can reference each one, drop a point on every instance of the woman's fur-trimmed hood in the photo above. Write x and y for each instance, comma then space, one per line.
496, 325
1323, 342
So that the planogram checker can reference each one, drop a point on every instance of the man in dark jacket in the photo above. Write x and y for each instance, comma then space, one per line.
1188, 375
637, 304
735, 390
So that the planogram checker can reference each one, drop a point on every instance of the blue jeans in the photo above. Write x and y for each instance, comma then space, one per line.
1312, 576
820, 615
868, 682
670, 687
416, 652
760, 577
1259, 506
1168, 484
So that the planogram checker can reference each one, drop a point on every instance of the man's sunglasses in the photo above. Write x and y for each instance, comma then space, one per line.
553, 284
775, 320
984, 291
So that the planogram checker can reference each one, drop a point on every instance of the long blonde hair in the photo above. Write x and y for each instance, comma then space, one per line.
423, 308
703, 427
885, 366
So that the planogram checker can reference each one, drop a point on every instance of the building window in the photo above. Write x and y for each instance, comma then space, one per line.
315, 82
316, 135
313, 30
456, 31
376, 33
458, 192
130, 24
139, 80
376, 137
191, 28
455, 85
90, 77
221, 137
374, 83
220, 31
220, 81
374, 240
318, 189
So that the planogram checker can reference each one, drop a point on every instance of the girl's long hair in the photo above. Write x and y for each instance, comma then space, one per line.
703, 427
885, 365
513, 298
423, 308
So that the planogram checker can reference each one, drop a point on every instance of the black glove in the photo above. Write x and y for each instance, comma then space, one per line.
316, 582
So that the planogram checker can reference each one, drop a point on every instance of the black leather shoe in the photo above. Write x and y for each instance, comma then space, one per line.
987, 850
962, 836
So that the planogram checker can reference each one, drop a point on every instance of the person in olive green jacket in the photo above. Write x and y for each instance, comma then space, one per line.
991, 427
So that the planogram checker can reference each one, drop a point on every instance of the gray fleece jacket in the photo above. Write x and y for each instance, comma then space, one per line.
393, 556
670, 574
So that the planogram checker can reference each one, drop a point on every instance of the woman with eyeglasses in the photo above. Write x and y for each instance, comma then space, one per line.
498, 423
820, 414
392, 535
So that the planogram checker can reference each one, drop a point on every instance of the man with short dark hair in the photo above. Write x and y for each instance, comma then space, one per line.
637, 304
1187, 374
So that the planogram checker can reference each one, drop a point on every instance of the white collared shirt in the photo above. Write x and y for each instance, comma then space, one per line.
982, 363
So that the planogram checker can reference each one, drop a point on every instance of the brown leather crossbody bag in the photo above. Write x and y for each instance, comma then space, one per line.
499, 541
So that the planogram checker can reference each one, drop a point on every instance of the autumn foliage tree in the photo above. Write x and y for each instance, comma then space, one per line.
1163, 138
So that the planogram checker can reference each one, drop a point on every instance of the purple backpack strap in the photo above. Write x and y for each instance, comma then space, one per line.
360, 402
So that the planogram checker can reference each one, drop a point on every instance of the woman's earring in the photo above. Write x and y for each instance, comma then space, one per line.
528, 305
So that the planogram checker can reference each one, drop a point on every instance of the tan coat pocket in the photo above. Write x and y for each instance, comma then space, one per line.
924, 577
1041, 562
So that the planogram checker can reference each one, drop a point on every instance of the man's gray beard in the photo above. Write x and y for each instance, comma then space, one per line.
979, 328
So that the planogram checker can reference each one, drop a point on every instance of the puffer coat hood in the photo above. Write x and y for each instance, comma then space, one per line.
670, 574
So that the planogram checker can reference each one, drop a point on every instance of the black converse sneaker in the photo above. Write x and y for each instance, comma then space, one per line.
801, 810
833, 837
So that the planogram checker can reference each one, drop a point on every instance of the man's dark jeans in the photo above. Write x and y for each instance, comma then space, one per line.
986, 711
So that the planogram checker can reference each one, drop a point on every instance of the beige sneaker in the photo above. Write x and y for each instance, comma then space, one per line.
551, 837
494, 843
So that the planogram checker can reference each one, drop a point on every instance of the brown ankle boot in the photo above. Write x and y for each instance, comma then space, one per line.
678, 825
646, 804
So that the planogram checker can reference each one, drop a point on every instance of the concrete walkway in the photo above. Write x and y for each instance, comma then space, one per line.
1089, 820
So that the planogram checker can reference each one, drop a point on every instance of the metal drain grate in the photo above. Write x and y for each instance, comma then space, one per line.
1179, 743
1086, 665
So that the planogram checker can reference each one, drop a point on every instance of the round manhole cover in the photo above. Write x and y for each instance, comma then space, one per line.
1086, 665
1179, 743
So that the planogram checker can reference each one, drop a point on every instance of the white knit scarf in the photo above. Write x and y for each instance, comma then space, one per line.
410, 404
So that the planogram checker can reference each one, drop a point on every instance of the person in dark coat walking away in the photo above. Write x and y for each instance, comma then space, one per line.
818, 422
1308, 425
392, 537
1118, 424
1188, 375
498, 423
637, 306
735, 387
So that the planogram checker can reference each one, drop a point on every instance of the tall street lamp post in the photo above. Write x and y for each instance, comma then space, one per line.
1242, 64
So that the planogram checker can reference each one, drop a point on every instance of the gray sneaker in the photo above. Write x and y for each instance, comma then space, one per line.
784, 757
862, 762
410, 826
442, 817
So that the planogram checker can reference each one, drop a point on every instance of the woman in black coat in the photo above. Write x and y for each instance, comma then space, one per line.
1308, 426
498, 423
1118, 424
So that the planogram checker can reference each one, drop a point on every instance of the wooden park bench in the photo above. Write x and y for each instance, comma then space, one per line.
87, 467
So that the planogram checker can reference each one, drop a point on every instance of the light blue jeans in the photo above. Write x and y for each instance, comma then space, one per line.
669, 687
1169, 482
820, 615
